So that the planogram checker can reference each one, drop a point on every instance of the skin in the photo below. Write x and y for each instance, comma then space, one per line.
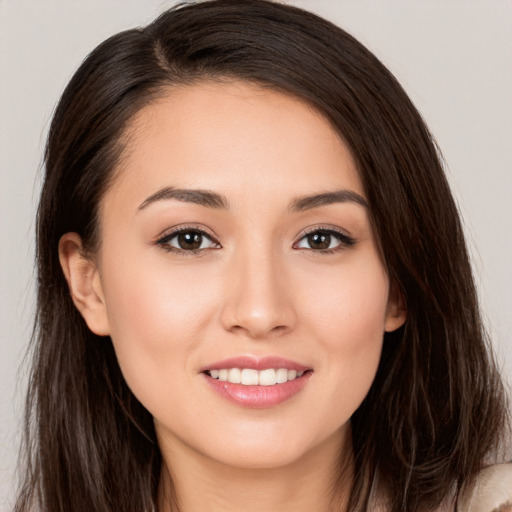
258, 288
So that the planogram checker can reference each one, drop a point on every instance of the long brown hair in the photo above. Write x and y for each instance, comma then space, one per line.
436, 408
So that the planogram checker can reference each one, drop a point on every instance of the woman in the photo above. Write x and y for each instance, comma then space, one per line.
253, 284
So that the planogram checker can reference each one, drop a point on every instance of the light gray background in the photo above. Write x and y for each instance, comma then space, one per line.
454, 57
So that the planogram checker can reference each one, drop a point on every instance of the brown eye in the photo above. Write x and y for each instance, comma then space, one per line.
324, 241
187, 240
319, 240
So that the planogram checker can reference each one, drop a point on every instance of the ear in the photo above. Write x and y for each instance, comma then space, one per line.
84, 283
396, 312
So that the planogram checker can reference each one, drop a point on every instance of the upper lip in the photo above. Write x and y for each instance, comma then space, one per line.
256, 363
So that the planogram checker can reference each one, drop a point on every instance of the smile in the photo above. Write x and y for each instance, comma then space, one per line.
257, 382
250, 377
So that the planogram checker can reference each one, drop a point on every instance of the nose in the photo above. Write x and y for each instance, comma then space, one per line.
258, 299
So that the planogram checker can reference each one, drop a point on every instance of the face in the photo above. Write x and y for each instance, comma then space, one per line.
236, 244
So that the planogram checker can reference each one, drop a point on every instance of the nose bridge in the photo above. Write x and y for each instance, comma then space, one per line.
257, 298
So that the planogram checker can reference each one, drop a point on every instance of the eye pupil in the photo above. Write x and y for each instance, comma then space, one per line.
319, 240
190, 240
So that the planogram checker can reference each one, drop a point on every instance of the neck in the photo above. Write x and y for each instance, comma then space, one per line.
320, 480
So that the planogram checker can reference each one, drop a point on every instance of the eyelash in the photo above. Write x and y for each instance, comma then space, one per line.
345, 241
164, 241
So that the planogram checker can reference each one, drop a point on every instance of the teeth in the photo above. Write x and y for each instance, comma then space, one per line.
250, 377
282, 375
267, 377
234, 376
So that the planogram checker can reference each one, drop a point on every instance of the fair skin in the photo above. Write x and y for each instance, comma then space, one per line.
273, 275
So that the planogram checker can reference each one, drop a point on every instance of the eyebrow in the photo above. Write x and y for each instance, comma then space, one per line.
197, 196
214, 200
338, 196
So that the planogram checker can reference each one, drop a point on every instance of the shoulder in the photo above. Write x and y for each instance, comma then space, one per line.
490, 492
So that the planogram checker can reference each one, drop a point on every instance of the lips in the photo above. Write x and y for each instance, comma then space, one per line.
256, 363
257, 382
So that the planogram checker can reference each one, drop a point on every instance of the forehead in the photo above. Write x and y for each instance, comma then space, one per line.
232, 136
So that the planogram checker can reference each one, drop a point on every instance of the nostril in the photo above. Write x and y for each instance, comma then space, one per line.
255, 330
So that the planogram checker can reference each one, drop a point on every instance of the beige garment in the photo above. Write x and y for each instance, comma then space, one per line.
492, 491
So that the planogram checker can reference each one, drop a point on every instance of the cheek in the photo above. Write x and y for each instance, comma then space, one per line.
346, 314
156, 312
147, 293
348, 304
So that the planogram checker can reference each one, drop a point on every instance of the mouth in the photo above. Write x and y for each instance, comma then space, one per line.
257, 382
251, 377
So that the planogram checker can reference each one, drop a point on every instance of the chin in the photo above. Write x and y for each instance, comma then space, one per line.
256, 458
274, 450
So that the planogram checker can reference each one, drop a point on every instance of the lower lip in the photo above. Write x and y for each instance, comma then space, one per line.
258, 397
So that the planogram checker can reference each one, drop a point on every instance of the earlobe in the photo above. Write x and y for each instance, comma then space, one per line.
396, 312
83, 278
